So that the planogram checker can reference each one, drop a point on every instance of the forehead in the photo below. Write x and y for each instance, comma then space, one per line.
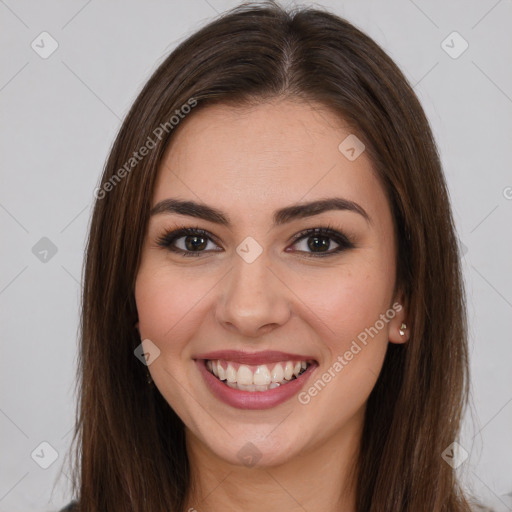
259, 158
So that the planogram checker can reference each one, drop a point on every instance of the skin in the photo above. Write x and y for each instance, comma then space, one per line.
249, 162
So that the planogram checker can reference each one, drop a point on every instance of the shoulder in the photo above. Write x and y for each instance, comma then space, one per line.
70, 507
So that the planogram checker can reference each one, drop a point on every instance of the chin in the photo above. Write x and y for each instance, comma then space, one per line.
259, 447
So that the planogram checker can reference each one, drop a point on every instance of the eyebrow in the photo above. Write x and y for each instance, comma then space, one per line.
281, 216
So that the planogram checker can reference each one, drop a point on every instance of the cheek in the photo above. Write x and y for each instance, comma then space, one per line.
169, 304
346, 301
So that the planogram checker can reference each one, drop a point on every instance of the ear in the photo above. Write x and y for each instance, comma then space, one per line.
400, 308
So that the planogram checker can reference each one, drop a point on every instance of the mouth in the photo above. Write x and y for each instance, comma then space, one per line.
256, 378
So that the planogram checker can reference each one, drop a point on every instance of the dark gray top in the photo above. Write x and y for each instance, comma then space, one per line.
69, 507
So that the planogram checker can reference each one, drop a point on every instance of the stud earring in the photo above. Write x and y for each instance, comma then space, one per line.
402, 329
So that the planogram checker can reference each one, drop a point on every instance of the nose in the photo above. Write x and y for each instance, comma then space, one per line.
253, 300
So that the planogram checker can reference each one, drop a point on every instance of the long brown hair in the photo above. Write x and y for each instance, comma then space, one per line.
130, 445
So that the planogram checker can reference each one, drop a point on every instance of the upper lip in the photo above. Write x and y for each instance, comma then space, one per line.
254, 358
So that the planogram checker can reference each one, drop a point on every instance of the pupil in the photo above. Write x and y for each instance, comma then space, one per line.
319, 242
198, 242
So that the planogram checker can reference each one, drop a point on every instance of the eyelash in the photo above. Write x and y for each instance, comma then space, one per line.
168, 238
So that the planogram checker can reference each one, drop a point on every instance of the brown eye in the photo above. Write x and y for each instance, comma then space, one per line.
319, 242
195, 243
187, 241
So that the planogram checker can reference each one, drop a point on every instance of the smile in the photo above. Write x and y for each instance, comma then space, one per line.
256, 378
254, 381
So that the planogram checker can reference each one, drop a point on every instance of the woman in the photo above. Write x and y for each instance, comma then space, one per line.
273, 308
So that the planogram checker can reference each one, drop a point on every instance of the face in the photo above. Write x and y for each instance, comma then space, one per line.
293, 302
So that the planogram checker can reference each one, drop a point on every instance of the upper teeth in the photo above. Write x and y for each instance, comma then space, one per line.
261, 375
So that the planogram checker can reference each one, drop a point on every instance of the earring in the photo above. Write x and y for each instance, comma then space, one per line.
402, 329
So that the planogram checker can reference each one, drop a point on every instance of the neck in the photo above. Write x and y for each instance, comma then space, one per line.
319, 478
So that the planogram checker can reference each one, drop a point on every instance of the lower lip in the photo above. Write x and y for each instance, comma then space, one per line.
253, 399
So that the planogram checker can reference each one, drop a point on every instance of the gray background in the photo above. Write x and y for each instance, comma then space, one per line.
59, 118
